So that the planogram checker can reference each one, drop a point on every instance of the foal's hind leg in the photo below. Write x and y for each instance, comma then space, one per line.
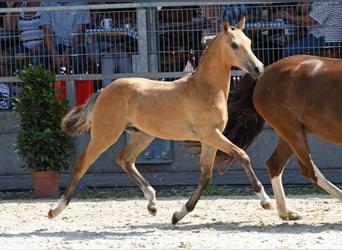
126, 159
206, 163
82, 164
101, 139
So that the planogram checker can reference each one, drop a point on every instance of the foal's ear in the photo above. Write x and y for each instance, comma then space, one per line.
225, 25
241, 23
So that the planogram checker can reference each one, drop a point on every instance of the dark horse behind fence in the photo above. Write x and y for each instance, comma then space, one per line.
296, 95
191, 108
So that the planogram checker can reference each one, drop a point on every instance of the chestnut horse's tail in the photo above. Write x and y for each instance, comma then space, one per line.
78, 120
244, 122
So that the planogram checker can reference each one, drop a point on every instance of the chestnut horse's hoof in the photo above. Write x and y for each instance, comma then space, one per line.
50, 215
175, 218
291, 215
267, 205
152, 209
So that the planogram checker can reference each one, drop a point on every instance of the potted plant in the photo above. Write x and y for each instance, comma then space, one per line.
43, 146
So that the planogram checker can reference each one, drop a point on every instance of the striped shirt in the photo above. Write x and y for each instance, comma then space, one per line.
329, 20
30, 30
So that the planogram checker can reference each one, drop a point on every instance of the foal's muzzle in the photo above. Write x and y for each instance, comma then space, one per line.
256, 70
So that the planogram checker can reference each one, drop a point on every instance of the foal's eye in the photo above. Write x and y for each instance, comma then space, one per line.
234, 45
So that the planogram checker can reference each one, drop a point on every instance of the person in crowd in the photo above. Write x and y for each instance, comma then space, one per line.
31, 36
4, 90
25, 38
64, 36
110, 53
4, 44
324, 26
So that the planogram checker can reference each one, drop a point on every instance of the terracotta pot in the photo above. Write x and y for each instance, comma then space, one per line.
45, 183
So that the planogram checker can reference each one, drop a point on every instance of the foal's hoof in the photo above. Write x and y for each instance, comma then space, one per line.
266, 205
175, 218
152, 209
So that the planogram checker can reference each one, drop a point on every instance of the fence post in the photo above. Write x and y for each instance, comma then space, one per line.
142, 58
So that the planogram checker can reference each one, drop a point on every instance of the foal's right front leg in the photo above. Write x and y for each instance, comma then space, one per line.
206, 163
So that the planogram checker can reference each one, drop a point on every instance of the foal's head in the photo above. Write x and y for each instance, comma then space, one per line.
238, 47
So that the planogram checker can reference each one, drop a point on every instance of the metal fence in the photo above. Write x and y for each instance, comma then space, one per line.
159, 40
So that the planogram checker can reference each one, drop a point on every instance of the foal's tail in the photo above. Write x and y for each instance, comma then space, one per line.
244, 122
78, 120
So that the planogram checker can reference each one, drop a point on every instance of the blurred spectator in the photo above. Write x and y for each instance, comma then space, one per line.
4, 34
31, 36
324, 25
234, 12
2, 5
4, 60
106, 51
64, 36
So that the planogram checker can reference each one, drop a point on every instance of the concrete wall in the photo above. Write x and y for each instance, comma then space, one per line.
183, 170
10, 162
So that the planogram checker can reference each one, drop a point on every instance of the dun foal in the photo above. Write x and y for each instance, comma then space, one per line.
192, 108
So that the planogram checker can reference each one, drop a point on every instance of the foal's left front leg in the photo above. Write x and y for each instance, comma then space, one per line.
223, 144
206, 163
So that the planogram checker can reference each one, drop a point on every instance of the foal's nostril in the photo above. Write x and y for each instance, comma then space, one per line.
259, 69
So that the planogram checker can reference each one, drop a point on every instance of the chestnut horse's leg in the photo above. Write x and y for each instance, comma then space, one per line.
325, 184
299, 145
126, 159
275, 166
311, 171
206, 163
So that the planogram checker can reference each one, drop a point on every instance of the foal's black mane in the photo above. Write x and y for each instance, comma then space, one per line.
204, 53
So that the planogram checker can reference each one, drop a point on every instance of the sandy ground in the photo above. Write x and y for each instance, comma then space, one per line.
216, 223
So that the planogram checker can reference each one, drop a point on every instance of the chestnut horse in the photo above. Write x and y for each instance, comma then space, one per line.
191, 108
296, 95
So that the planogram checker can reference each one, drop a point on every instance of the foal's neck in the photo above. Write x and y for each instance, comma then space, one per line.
215, 68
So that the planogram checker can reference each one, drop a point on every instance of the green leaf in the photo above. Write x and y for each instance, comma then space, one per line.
41, 142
